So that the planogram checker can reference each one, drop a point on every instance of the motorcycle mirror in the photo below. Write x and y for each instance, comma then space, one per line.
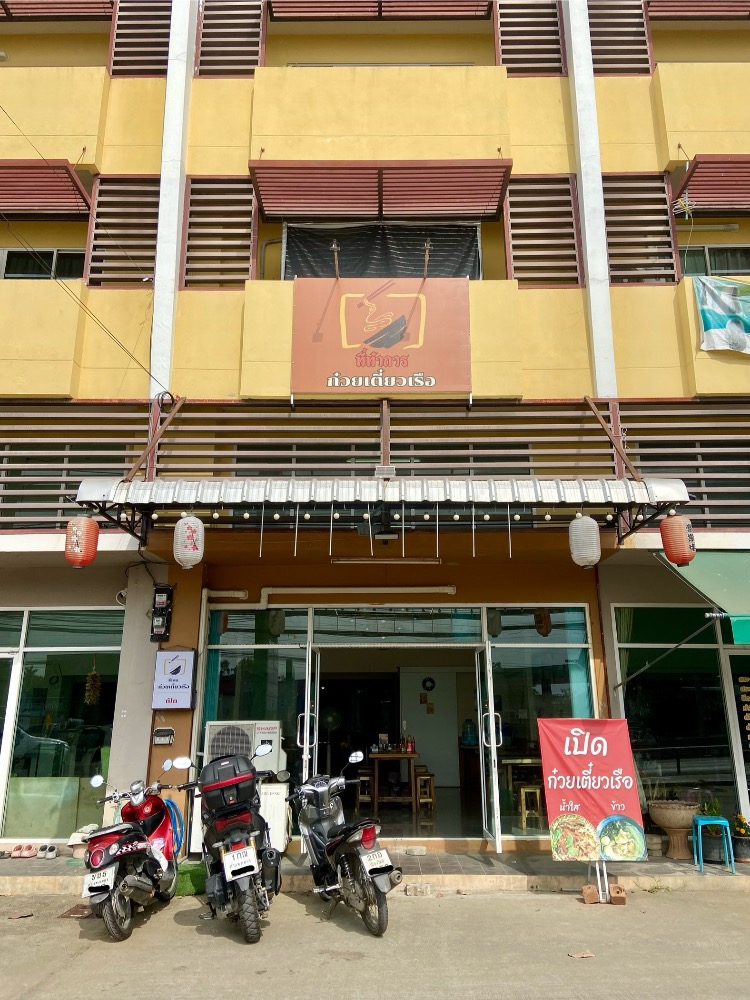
356, 757
263, 750
97, 781
283, 775
182, 763
167, 765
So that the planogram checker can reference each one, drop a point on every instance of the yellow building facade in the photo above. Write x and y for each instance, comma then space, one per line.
199, 202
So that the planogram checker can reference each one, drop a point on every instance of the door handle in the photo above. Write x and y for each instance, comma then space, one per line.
499, 740
485, 730
300, 740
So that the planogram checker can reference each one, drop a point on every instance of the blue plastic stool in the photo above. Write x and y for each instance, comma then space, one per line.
726, 839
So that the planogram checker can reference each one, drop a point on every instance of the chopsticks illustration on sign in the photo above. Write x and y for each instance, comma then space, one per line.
378, 291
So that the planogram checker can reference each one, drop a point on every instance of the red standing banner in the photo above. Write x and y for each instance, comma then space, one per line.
590, 785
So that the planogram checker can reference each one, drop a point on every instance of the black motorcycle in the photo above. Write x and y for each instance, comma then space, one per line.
347, 863
243, 873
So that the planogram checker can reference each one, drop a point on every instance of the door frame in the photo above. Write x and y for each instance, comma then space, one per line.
733, 721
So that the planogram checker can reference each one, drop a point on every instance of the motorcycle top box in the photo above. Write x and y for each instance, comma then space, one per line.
228, 782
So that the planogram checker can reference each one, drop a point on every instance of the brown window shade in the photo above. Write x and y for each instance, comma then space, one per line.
338, 10
700, 10
620, 41
122, 247
542, 231
530, 37
140, 44
230, 37
640, 239
57, 10
219, 232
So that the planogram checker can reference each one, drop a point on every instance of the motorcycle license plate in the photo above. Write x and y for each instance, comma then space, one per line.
98, 881
376, 859
241, 862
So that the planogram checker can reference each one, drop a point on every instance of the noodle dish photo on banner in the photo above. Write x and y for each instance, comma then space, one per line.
591, 790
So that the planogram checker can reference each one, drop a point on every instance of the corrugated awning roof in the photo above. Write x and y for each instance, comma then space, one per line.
343, 10
396, 189
698, 10
56, 10
39, 189
715, 184
234, 492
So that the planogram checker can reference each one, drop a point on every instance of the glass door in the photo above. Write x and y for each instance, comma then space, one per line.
307, 720
490, 738
7, 726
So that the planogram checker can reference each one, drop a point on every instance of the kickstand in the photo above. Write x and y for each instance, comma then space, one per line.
208, 916
330, 907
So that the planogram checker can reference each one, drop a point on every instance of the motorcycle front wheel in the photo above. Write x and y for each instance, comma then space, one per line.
117, 913
375, 913
248, 916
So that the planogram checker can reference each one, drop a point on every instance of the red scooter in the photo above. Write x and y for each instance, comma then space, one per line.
133, 863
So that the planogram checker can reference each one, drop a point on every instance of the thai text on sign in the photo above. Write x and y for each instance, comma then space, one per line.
591, 791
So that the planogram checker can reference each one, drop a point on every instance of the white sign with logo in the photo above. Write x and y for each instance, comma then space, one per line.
173, 679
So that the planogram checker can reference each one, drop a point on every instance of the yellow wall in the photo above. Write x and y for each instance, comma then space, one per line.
698, 237
370, 113
44, 235
649, 353
38, 338
60, 109
219, 127
707, 42
495, 350
626, 124
104, 370
45, 49
208, 344
552, 331
703, 107
541, 126
379, 46
133, 127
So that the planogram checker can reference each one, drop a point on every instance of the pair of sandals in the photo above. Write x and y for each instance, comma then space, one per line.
29, 851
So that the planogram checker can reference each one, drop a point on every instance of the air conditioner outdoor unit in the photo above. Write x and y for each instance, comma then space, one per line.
244, 736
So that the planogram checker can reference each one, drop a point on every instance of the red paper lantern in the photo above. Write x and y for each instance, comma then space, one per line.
81, 539
678, 539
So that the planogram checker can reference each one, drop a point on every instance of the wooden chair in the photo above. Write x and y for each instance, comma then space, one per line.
364, 788
425, 790
531, 804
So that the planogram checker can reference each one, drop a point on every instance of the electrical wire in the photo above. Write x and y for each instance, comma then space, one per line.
71, 294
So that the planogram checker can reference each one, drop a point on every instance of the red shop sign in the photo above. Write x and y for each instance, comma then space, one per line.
590, 784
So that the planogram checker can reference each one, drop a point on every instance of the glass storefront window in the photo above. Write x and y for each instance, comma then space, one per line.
396, 625
273, 627
663, 626
532, 683
63, 736
740, 667
53, 629
551, 626
678, 727
11, 623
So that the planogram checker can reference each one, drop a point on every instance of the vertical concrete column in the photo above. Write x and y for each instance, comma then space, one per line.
131, 730
172, 189
590, 196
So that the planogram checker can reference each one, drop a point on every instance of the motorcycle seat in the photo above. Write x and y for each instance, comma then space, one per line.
117, 828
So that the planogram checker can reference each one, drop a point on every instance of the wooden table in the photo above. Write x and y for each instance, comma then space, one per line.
510, 762
394, 756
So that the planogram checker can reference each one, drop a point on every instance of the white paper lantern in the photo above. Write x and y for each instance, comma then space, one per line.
585, 546
189, 541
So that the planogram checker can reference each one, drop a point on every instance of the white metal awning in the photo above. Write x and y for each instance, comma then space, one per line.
236, 492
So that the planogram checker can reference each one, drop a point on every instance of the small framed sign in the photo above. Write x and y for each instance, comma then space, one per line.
173, 678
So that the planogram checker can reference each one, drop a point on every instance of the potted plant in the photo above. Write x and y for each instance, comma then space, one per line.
740, 838
673, 815
712, 842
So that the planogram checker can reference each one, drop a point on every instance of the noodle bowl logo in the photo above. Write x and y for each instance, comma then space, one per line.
598, 744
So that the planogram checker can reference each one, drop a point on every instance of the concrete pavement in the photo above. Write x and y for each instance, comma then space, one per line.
665, 944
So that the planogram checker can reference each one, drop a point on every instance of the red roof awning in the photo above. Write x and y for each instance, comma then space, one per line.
717, 185
349, 10
56, 10
42, 189
393, 189
698, 10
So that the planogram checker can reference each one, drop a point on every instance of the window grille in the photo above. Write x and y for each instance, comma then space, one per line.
219, 231
620, 41
122, 246
230, 39
543, 231
531, 37
640, 239
140, 41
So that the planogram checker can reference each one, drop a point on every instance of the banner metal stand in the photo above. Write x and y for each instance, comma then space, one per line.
602, 880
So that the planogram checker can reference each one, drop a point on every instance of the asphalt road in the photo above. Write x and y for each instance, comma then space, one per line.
668, 945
